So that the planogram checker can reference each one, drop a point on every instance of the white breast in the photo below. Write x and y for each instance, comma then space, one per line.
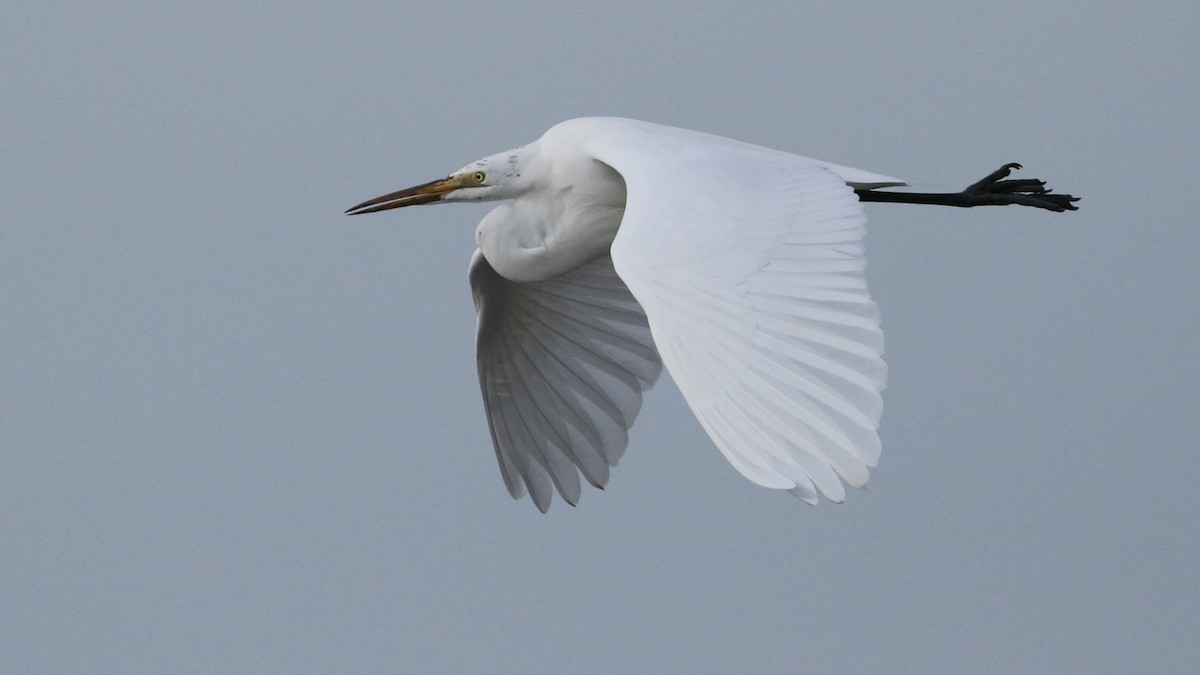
550, 231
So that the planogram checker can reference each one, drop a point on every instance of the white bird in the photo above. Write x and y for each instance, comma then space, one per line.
625, 246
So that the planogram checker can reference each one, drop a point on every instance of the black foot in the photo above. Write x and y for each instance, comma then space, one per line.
993, 190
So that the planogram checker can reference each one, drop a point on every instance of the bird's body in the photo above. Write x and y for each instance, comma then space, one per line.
627, 245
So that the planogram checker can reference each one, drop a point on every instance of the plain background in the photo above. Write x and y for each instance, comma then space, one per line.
240, 432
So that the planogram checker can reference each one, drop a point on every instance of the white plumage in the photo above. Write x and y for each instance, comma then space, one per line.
624, 243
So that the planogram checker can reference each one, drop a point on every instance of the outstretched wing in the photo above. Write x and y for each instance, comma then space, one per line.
562, 365
749, 264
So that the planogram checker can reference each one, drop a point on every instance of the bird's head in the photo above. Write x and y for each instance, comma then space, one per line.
488, 179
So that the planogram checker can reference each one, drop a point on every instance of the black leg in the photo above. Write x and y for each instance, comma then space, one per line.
992, 190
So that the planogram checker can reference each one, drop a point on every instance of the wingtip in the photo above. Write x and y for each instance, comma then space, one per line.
804, 496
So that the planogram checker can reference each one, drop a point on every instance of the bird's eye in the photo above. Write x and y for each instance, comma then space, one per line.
478, 177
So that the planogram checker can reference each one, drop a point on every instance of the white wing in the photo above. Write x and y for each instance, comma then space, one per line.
562, 365
749, 264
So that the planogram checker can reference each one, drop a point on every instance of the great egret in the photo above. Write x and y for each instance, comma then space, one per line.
740, 267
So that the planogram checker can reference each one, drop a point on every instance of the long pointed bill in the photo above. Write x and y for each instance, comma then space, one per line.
420, 194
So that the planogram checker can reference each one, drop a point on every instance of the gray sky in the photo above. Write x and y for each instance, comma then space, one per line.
240, 432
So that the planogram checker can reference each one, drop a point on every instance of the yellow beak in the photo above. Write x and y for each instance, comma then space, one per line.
420, 194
